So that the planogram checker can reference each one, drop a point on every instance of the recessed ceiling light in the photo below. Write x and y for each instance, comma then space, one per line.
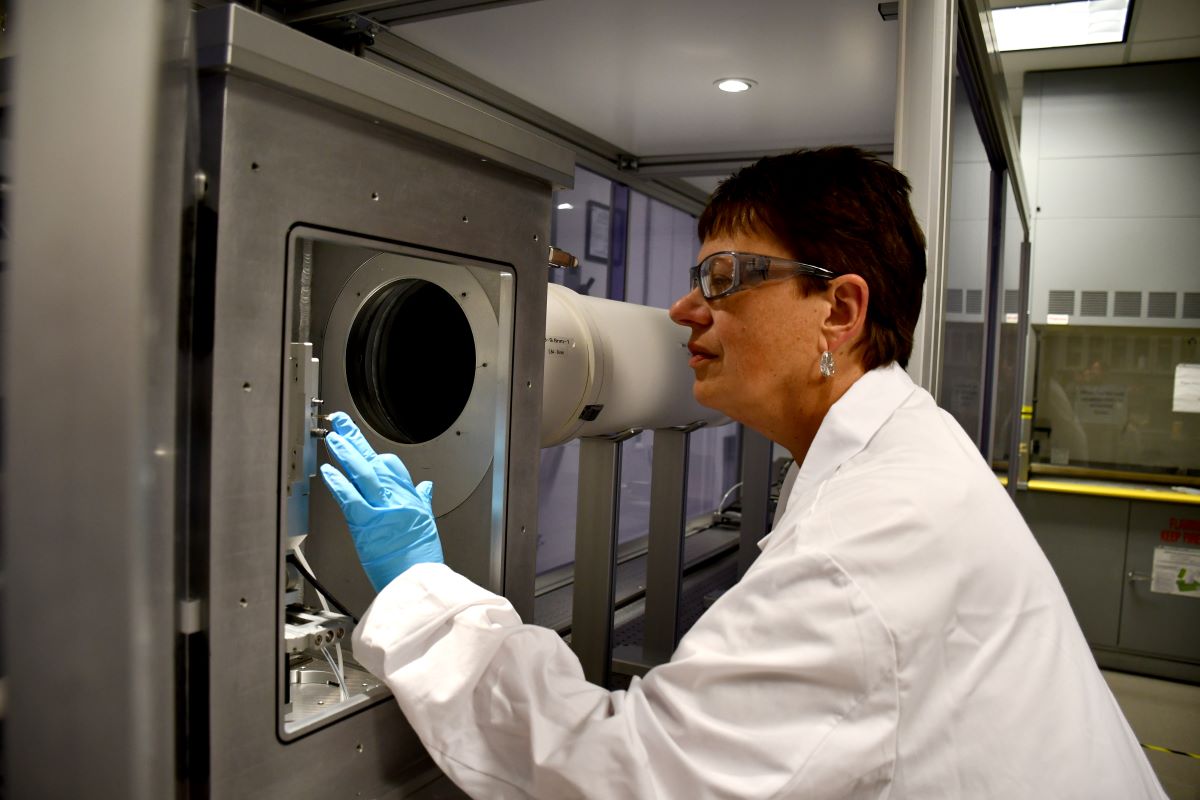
1069, 24
565, 206
735, 85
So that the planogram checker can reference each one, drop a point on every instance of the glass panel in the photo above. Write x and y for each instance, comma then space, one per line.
661, 247
1105, 398
966, 270
1007, 366
580, 225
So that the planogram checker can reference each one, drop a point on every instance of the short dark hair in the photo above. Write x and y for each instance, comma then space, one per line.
843, 209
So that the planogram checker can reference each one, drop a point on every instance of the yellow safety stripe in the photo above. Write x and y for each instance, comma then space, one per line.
1129, 493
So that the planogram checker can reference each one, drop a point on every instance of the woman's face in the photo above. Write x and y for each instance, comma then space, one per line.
754, 352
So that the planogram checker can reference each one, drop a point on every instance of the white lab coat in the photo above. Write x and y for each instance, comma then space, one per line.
901, 635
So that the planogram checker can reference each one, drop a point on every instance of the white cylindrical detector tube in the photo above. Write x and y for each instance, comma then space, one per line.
613, 366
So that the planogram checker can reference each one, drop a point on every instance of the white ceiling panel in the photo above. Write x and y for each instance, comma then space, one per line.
640, 73
1159, 30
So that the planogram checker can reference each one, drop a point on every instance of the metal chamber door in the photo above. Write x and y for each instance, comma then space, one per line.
378, 248
101, 121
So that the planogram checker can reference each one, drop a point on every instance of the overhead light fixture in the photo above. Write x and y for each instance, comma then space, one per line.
565, 206
735, 85
1070, 24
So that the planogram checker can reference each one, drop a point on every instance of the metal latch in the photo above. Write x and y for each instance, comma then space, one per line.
561, 259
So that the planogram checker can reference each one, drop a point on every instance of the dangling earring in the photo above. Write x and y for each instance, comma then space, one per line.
826, 365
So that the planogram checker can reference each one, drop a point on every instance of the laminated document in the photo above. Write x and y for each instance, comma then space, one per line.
1176, 571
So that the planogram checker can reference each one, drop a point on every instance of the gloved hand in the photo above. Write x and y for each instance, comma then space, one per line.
390, 519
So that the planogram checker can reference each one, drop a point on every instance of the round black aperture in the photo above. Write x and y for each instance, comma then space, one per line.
410, 361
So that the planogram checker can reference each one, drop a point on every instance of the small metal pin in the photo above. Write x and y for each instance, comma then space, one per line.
319, 432
316, 401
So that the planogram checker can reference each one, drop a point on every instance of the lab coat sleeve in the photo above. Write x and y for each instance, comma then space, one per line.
785, 688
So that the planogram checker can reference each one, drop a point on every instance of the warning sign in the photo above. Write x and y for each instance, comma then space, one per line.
1176, 571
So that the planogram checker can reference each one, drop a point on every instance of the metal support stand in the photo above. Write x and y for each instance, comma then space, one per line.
596, 554
756, 491
1021, 433
664, 557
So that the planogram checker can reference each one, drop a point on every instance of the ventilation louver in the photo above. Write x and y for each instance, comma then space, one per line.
1062, 301
974, 301
1161, 305
1093, 304
1127, 304
1191, 305
954, 301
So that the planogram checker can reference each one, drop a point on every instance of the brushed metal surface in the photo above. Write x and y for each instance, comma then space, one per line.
460, 455
277, 160
234, 39
91, 318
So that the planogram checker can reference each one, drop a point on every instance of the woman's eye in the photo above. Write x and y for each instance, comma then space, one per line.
719, 282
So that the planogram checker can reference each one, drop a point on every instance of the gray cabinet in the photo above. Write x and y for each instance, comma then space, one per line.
1102, 549
1153, 622
1084, 540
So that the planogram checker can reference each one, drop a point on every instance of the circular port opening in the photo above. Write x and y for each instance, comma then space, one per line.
410, 360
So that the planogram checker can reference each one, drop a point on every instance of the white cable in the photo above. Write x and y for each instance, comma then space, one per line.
732, 489
341, 667
337, 672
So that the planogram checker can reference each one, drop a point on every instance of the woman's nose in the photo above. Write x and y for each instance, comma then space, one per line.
691, 310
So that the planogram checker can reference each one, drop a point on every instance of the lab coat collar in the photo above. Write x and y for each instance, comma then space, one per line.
852, 421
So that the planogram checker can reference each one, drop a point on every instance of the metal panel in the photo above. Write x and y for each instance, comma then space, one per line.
234, 39
590, 150
392, 10
664, 560
1147, 109
756, 491
277, 160
1098, 254
92, 314
596, 555
923, 106
1018, 466
1084, 539
1159, 624
1112, 155
1131, 187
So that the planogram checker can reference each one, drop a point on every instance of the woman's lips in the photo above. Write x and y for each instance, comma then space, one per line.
699, 356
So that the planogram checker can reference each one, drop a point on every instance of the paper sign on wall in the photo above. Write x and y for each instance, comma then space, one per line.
1176, 571
1187, 389
1104, 404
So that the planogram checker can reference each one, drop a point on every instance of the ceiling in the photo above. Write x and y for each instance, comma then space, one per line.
1160, 30
640, 73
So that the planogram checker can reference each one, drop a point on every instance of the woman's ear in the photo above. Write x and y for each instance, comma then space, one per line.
848, 297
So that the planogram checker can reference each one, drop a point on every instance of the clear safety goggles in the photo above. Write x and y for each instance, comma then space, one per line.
724, 273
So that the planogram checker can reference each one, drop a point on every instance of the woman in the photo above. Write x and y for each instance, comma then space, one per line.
900, 634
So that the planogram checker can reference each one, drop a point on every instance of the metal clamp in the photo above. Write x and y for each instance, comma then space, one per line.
561, 259
616, 437
692, 426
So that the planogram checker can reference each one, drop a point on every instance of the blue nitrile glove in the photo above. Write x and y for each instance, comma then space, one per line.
390, 519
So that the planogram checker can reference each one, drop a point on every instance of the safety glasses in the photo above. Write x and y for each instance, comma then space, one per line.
722, 274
